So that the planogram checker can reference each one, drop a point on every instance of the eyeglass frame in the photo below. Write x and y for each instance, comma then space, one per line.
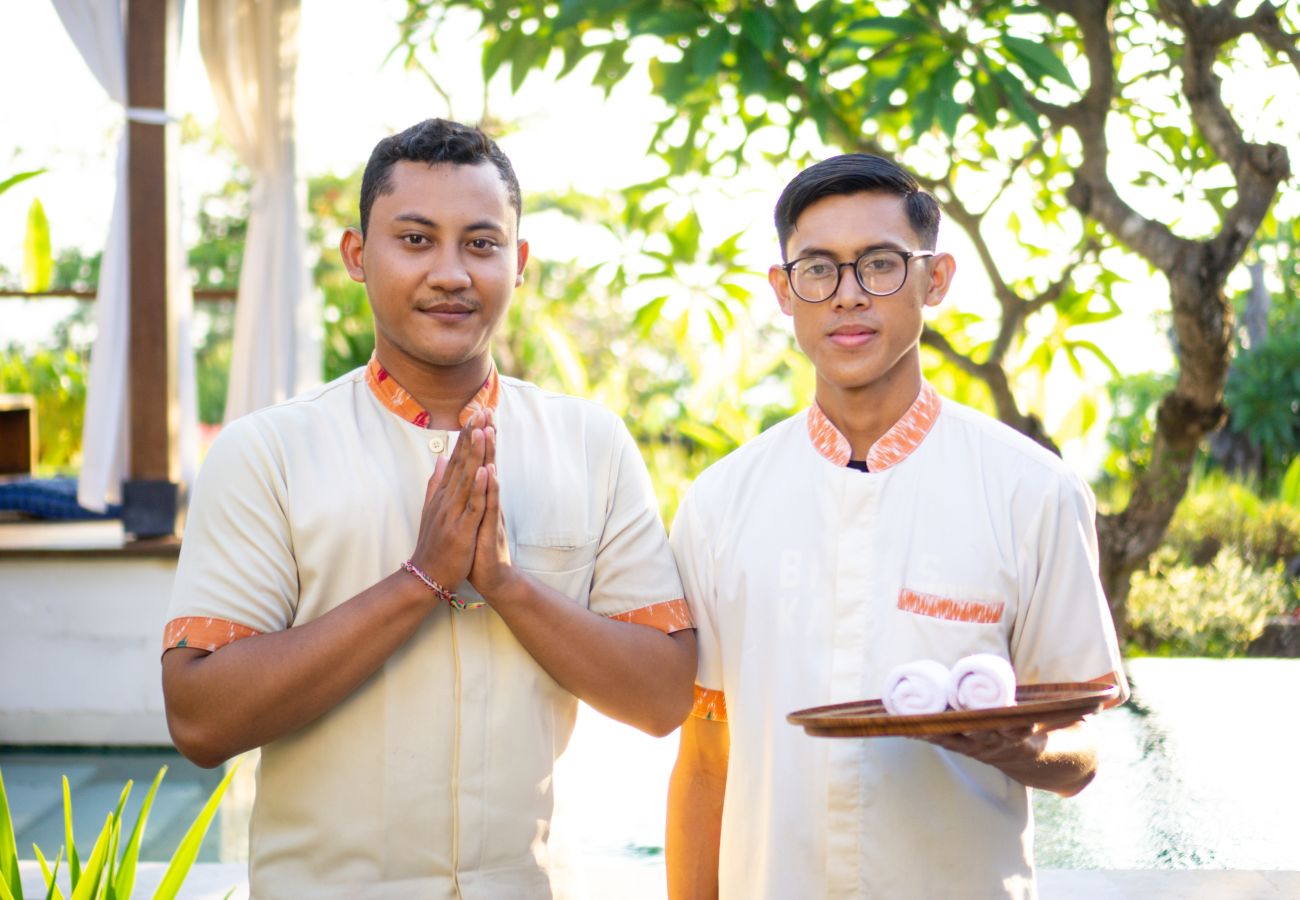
907, 255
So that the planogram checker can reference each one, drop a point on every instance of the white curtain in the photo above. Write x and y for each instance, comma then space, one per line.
250, 49
97, 29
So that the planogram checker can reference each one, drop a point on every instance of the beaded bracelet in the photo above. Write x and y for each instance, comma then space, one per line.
438, 590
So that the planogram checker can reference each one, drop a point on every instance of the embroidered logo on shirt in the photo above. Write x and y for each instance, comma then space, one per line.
980, 611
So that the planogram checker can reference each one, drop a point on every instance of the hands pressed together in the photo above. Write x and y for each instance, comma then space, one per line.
462, 529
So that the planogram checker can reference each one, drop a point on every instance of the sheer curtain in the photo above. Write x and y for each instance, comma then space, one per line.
97, 29
250, 49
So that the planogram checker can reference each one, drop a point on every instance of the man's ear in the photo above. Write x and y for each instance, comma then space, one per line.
522, 259
942, 267
350, 247
780, 283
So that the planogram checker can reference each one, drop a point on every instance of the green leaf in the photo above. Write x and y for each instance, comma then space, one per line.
52, 891
125, 881
758, 27
92, 873
880, 29
705, 55
38, 263
647, 314
18, 179
74, 864
8, 846
6, 894
1016, 97
497, 51
1037, 59
188, 849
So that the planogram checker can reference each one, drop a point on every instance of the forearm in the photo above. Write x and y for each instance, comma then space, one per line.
261, 688
632, 673
1066, 764
696, 792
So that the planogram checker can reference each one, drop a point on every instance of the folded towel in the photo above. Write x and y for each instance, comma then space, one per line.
981, 681
917, 688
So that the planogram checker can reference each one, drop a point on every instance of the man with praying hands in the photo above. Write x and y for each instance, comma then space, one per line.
399, 585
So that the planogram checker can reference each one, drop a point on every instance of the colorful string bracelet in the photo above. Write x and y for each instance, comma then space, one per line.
439, 591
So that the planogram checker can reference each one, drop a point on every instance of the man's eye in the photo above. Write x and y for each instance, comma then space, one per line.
817, 270
415, 240
483, 244
879, 263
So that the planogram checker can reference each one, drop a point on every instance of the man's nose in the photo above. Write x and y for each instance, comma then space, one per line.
850, 295
447, 271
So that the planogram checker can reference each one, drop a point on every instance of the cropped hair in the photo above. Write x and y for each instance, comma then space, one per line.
852, 173
433, 141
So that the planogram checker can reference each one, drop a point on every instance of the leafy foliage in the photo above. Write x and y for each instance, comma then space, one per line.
1177, 609
57, 379
1219, 513
1263, 393
107, 874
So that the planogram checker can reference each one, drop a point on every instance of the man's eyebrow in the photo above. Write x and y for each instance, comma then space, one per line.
417, 219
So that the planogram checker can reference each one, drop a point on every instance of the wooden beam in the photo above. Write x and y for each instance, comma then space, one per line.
150, 496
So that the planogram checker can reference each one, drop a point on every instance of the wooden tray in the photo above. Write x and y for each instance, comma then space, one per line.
1036, 704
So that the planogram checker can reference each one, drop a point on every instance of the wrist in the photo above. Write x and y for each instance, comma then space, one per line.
507, 588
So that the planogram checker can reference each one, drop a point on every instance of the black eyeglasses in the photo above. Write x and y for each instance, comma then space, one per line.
815, 279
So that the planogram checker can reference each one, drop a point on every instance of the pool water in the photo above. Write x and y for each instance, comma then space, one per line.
1199, 770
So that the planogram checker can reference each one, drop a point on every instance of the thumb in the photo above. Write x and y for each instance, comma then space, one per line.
439, 471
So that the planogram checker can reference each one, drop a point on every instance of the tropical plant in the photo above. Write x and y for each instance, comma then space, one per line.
38, 263
57, 379
1263, 396
108, 873
1212, 610
1009, 113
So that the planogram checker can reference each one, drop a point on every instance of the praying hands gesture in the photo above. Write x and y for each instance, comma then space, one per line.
454, 501
462, 529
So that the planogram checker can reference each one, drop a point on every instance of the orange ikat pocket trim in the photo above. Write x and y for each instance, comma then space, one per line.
936, 607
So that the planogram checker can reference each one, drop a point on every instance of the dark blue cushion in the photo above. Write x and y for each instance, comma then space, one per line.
48, 498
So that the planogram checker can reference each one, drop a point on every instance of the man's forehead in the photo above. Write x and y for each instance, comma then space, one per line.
865, 218
426, 188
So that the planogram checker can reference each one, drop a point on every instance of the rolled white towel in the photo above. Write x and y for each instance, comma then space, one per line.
917, 688
981, 681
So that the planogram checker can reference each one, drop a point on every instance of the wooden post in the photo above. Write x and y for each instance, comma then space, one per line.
151, 495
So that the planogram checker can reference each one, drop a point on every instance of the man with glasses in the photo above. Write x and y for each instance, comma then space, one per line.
883, 525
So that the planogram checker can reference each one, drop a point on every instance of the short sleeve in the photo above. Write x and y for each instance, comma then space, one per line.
691, 549
236, 575
1064, 630
635, 578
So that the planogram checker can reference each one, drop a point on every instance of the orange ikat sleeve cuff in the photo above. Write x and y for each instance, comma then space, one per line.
666, 616
709, 704
204, 633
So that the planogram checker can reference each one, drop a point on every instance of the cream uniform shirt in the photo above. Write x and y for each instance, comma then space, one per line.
809, 581
433, 779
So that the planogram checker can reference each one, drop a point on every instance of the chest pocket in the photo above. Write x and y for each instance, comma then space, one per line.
563, 563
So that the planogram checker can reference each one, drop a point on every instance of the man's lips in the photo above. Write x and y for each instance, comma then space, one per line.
851, 335
448, 311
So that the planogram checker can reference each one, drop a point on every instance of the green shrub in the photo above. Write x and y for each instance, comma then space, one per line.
1218, 513
57, 379
1177, 609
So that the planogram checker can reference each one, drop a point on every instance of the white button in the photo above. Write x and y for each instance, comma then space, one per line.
438, 444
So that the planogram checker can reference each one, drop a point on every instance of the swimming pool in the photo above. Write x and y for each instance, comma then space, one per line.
1198, 771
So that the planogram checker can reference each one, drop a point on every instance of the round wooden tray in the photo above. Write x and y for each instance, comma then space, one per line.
1036, 704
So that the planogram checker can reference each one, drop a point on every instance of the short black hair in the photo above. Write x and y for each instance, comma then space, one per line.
852, 173
433, 141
